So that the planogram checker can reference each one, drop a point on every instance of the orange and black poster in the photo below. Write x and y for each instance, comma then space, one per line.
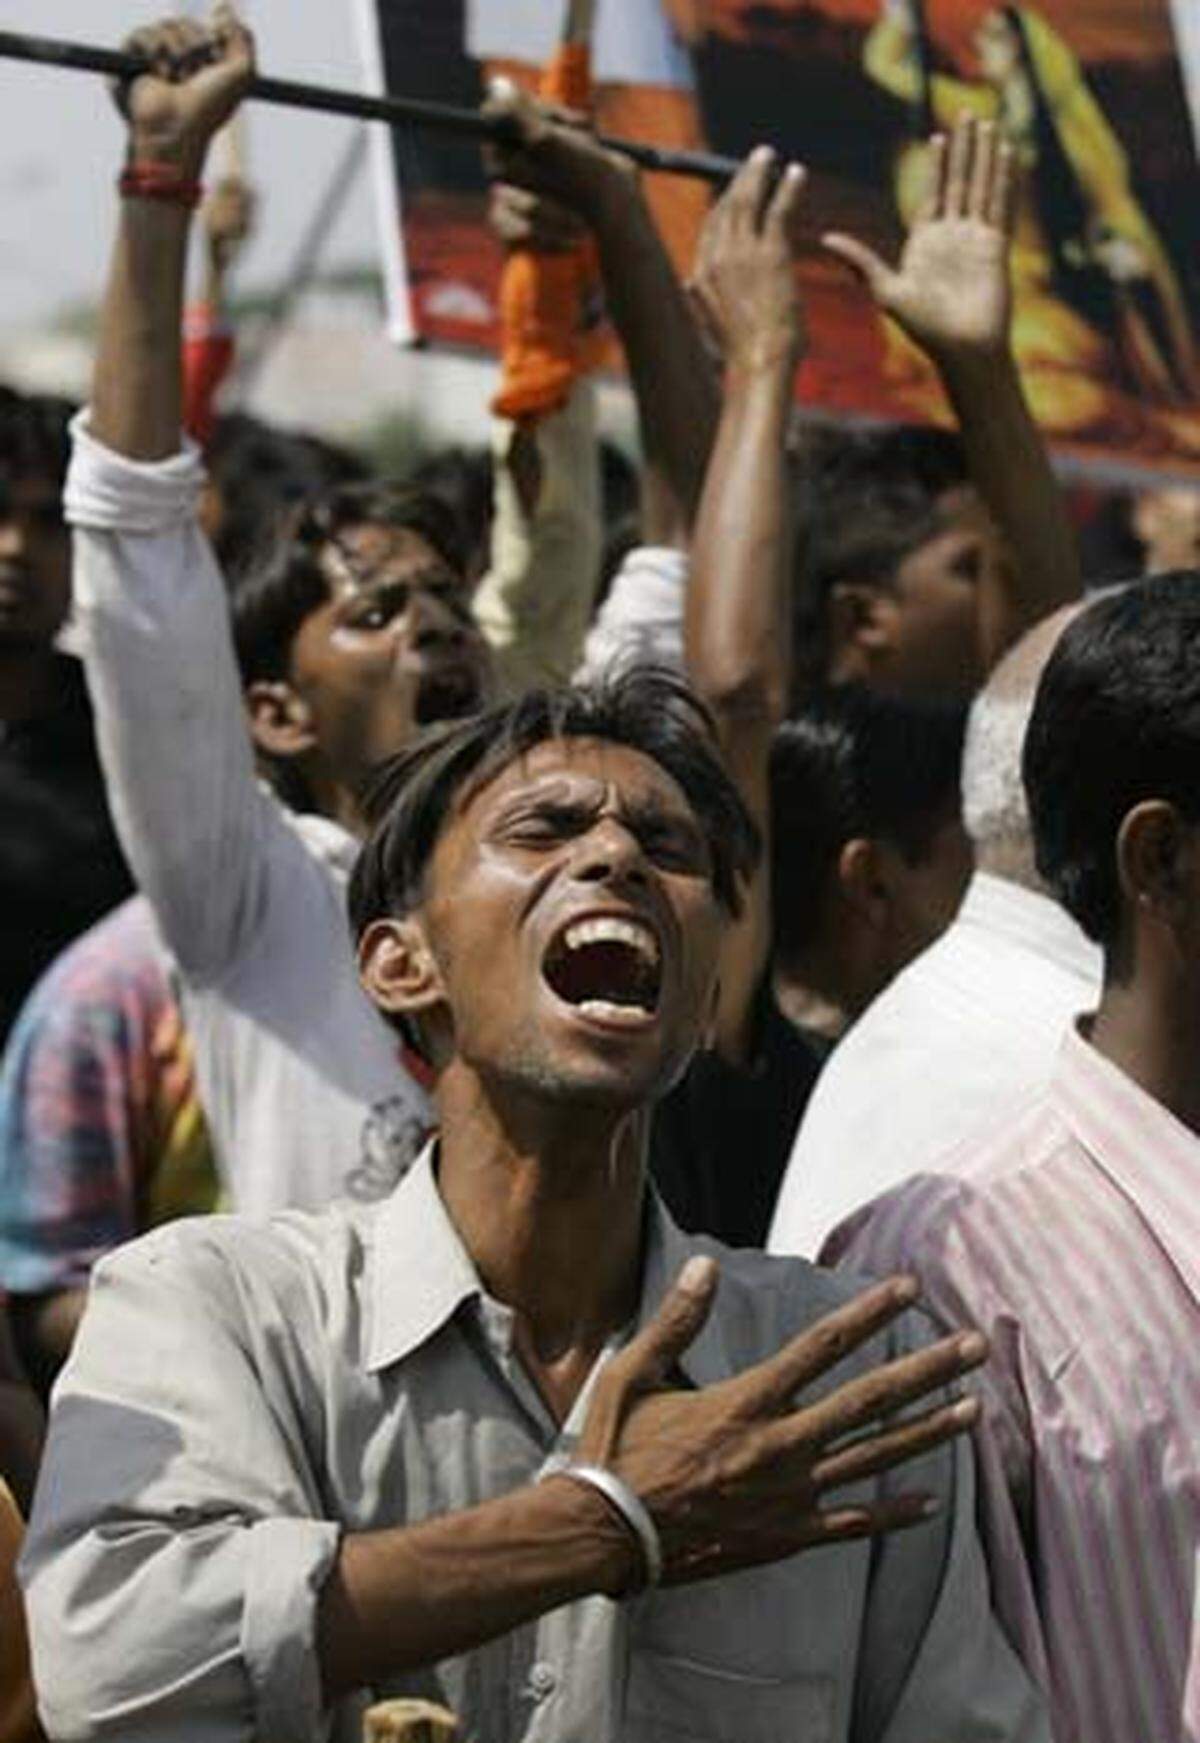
1106, 259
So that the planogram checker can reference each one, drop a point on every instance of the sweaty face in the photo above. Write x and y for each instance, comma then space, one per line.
392, 649
935, 647
571, 912
35, 562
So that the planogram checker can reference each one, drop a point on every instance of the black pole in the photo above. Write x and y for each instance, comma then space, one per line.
398, 111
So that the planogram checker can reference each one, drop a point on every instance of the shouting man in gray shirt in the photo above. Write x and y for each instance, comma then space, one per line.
481, 1441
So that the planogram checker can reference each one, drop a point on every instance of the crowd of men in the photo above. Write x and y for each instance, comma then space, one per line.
663, 1009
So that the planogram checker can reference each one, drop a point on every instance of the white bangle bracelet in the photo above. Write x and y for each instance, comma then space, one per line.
622, 1499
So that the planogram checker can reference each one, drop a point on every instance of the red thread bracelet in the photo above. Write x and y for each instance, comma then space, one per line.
159, 181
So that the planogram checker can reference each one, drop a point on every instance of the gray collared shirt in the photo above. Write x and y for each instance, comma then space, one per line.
240, 1394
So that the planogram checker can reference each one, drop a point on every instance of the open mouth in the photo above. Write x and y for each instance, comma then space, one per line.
448, 693
608, 967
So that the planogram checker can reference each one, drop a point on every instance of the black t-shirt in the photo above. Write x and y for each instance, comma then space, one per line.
720, 1141
60, 865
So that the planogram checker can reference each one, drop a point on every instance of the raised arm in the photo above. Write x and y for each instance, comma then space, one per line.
738, 620
673, 382
136, 392
951, 294
153, 610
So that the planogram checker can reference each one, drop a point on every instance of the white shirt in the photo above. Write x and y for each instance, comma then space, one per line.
239, 1395
301, 1079
967, 1031
634, 42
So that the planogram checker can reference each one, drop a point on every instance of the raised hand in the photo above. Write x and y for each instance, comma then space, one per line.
739, 1473
951, 291
198, 76
521, 219
553, 153
744, 290
227, 216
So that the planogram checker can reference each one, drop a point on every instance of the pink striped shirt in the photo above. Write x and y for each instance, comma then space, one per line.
1073, 1240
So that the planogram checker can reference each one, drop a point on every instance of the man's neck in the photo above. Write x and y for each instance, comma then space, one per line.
27, 682
1154, 1038
548, 1201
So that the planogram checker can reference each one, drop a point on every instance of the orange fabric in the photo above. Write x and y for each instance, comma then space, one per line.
550, 303
656, 115
18, 1721
207, 358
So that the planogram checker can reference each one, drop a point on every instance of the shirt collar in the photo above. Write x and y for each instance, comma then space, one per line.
1150, 1157
421, 1273
1033, 920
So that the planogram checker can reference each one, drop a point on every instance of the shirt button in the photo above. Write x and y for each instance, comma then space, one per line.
543, 1680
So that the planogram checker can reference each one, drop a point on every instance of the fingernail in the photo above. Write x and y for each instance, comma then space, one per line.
906, 1288
762, 154
967, 1411
973, 1347
697, 1275
501, 87
930, 1506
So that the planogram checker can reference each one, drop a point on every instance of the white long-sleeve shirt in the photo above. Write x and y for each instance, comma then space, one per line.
303, 1082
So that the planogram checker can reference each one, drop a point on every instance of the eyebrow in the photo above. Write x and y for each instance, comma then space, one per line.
581, 794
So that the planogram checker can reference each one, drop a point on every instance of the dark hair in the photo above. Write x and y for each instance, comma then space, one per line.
34, 436
463, 479
854, 764
867, 499
649, 709
263, 474
273, 598
1116, 720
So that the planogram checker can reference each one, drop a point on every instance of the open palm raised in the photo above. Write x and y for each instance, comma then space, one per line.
951, 291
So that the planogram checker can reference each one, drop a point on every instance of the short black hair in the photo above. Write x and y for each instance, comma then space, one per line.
1116, 721
263, 473
866, 500
273, 598
464, 479
647, 708
35, 440
854, 763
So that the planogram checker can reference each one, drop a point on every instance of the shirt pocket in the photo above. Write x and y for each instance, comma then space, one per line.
668, 1698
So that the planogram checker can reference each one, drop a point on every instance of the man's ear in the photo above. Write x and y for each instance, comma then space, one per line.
398, 969
860, 629
863, 881
1154, 846
281, 721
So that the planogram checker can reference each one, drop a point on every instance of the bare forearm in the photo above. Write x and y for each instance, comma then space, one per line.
738, 641
673, 381
739, 598
137, 386
1011, 470
400, 1599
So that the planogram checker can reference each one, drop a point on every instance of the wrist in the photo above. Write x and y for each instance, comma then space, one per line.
614, 207
966, 365
766, 358
614, 1554
182, 155
152, 179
